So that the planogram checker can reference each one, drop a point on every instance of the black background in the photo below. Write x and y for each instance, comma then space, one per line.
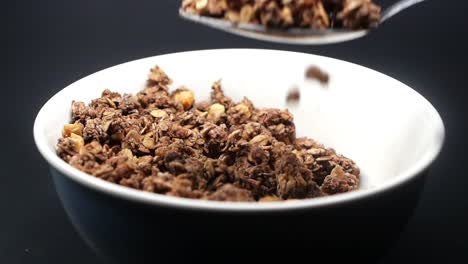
52, 43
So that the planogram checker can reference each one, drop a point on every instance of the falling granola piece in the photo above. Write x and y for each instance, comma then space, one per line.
294, 96
315, 73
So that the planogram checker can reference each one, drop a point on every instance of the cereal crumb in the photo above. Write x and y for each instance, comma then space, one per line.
315, 73
294, 96
339, 181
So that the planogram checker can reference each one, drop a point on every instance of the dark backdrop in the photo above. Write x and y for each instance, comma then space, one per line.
51, 43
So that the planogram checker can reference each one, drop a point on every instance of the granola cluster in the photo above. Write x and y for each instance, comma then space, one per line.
317, 14
164, 142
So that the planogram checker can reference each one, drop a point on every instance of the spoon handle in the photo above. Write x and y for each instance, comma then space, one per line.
398, 7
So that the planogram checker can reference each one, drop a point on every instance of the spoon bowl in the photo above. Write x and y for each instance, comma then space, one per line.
296, 36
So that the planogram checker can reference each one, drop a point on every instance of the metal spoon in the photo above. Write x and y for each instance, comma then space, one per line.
298, 36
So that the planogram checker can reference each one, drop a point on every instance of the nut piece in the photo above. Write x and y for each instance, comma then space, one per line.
76, 128
201, 4
148, 141
158, 113
244, 109
185, 97
215, 112
77, 140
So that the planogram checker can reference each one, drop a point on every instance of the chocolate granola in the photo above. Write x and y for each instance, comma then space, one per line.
316, 14
164, 142
294, 96
315, 73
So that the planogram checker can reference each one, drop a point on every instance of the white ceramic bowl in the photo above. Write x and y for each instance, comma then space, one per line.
391, 131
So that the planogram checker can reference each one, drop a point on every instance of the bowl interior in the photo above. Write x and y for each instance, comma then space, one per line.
386, 127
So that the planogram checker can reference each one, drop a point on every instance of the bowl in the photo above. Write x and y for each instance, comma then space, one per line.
391, 131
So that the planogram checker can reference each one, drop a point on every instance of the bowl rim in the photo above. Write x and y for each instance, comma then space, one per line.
116, 190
